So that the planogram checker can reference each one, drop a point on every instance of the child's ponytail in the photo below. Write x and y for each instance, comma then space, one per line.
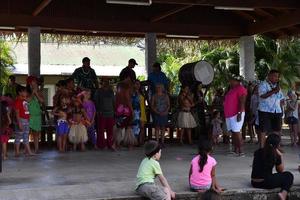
205, 147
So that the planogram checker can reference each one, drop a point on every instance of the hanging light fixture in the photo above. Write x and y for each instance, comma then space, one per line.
133, 2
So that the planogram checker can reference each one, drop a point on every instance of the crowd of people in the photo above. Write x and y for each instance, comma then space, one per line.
263, 112
110, 118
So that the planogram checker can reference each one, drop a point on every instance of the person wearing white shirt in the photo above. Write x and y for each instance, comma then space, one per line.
271, 100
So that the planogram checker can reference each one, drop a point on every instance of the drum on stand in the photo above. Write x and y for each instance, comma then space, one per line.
197, 72
193, 75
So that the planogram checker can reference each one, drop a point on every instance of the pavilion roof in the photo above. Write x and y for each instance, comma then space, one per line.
206, 19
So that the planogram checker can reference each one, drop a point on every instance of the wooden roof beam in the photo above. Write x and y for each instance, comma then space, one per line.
245, 15
281, 4
293, 30
263, 13
41, 7
282, 21
114, 26
169, 13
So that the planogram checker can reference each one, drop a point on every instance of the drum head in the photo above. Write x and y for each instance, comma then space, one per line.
204, 72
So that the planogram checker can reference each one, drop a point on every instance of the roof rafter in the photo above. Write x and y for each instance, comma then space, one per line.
41, 7
245, 15
282, 21
283, 4
123, 26
169, 13
263, 13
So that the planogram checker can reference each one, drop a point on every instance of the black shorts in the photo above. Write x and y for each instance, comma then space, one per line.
269, 122
292, 120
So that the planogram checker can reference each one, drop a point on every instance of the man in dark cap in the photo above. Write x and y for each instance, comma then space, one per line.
127, 72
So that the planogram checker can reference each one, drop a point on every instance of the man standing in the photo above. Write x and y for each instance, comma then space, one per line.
105, 105
85, 76
271, 100
157, 77
10, 88
234, 111
127, 72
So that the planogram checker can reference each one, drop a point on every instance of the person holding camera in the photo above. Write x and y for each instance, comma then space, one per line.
271, 100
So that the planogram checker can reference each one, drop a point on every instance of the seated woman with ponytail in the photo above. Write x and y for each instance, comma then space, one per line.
202, 174
263, 163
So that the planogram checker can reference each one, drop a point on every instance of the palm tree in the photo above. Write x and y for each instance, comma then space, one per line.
6, 62
282, 55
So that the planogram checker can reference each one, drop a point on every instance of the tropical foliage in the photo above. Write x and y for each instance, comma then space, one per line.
283, 55
6, 61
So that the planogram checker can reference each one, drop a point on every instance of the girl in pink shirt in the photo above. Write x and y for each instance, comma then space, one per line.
203, 170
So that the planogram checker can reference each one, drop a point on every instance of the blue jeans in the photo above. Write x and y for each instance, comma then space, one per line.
23, 134
92, 134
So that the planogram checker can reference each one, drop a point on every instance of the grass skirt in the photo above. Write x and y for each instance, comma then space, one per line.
186, 120
124, 136
78, 134
129, 138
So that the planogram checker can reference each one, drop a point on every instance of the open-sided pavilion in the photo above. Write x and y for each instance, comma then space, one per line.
85, 177
190, 19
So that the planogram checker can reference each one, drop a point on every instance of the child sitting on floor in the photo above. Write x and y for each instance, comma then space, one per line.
202, 174
150, 169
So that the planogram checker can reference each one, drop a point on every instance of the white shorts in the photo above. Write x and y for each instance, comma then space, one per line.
233, 125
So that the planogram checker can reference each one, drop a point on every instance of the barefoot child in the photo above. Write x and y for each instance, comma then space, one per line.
185, 120
78, 132
35, 100
62, 127
202, 174
292, 117
22, 115
90, 111
216, 127
4, 128
160, 105
150, 169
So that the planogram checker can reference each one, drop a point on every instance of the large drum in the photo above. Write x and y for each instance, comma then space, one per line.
197, 72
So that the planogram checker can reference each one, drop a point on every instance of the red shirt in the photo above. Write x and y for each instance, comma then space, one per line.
231, 102
22, 107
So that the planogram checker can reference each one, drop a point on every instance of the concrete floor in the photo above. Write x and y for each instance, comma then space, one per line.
98, 174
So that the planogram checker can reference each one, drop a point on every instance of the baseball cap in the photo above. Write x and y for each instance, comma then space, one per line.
131, 60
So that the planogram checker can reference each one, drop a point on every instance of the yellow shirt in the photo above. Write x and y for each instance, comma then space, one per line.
143, 108
148, 170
